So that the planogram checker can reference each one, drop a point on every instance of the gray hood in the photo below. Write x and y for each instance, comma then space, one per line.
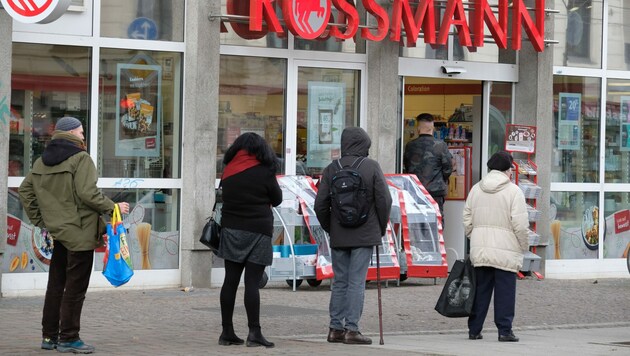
355, 142
494, 182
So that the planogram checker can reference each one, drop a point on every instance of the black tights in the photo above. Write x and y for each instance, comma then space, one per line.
253, 275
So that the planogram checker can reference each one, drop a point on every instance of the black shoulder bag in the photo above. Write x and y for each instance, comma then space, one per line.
211, 234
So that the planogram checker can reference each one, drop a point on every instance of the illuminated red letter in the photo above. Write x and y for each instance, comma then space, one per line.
534, 33
425, 17
381, 18
454, 15
497, 29
259, 9
351, 21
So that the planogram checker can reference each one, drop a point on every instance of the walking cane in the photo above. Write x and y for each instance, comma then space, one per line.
378, 287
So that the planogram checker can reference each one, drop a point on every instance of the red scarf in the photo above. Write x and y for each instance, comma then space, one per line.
241, 161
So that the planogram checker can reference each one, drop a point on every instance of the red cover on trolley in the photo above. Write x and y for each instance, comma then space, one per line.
418, 226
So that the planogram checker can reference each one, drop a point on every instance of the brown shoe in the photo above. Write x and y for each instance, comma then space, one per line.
355, 337
335, 335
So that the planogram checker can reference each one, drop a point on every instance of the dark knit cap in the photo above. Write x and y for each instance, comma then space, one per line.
500, 161
67, 123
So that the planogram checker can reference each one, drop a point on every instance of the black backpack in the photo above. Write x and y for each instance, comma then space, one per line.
348, 195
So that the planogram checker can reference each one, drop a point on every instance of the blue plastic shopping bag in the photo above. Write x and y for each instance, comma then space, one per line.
117, 266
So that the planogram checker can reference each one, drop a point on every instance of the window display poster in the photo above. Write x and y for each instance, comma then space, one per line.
624, 119
326, 110
520, 138
138, 128
569, 112
457, 182
28, 251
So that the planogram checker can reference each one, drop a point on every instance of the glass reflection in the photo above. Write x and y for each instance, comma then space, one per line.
328, 102
48, 82
578, 28
252, 94
140, 119
576, 129
161, 20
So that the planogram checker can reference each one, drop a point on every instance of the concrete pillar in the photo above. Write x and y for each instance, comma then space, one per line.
534, 106
382, 98
201, 73
6, 29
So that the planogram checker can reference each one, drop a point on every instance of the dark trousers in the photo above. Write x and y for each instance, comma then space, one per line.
440, 202
503, 284
68, 280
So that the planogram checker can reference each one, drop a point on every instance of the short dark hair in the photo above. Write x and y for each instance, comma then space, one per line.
255, 145
426, 117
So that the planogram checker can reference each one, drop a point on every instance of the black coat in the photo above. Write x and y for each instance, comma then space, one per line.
355, 143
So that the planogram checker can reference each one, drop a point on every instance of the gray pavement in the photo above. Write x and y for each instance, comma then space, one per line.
563, 317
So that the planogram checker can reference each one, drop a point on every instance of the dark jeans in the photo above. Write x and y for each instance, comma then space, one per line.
68, 280
503, 283
440, 202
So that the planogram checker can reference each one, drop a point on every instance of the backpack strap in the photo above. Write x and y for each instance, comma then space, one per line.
360, 160
353, 165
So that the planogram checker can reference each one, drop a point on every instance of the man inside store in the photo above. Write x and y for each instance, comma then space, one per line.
430, 160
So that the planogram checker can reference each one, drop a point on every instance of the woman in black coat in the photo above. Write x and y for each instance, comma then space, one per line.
250, 189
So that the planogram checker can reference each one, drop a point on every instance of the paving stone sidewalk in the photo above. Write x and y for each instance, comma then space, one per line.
175, 322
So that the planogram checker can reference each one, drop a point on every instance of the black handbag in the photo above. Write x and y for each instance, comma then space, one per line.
458, 294
211, 233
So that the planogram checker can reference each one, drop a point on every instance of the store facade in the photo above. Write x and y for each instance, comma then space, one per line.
134, 71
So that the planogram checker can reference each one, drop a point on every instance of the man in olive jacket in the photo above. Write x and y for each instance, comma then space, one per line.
61, 196
352, 246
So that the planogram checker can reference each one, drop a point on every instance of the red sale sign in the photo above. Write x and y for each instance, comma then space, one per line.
36, 11
13, 230
622, 221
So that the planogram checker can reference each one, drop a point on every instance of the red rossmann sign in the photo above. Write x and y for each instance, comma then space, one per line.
308, 19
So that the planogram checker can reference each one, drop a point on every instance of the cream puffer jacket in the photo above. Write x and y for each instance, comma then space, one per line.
496, 222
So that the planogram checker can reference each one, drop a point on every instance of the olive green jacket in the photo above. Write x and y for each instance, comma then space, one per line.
64, 198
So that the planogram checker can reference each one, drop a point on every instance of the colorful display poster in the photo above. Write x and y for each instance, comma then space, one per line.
520, 138
569, 118
624, 120
138, 89
459, 183
326, 110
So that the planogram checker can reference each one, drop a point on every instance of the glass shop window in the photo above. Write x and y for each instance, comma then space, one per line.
48, 82
140, 114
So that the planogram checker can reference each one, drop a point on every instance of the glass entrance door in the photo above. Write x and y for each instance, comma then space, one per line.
327, 98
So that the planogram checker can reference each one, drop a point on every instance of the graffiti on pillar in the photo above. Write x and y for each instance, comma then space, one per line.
4, 110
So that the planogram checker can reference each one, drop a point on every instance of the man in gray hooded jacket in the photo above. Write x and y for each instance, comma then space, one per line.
352, 246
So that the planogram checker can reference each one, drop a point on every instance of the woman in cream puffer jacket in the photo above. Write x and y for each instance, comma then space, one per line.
496, 222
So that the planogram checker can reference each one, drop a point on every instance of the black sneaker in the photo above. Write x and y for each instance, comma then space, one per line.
77, 347
475, 336
508, 338
49, 343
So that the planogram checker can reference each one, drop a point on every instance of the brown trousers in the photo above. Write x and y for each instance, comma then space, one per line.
68, 280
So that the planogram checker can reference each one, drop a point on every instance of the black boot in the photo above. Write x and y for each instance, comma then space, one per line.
255, 338
228, 337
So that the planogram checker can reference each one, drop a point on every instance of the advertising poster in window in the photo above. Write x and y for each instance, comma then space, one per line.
569, 114
624, 119
460, 180
138, 89
326, 109
520, 138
